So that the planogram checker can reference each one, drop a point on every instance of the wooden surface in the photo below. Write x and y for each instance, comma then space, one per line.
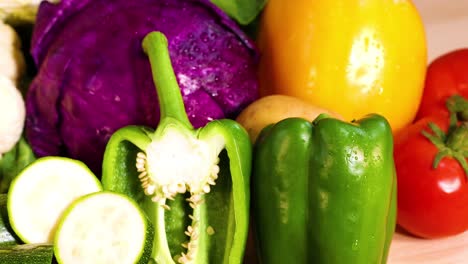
406, 249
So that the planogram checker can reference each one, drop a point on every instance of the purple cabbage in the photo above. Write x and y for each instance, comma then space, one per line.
93, 77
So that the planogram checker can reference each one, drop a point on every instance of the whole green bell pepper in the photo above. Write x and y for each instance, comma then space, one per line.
193, 184
324, 192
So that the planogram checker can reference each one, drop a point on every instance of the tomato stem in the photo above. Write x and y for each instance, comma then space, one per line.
454, 143
458, 106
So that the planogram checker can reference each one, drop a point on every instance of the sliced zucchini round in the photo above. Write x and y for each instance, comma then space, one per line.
39, 195
103, 227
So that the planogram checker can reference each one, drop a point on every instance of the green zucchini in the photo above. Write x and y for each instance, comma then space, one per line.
7, 235
103, 227
27, 254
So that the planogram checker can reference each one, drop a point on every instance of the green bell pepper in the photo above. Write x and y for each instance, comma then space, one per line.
193, 184
324, 192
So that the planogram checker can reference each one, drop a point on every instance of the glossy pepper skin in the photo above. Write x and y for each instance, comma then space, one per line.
324, 192
348, 47
193, 184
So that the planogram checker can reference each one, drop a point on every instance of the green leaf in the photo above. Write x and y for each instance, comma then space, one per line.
13, 162
243, 11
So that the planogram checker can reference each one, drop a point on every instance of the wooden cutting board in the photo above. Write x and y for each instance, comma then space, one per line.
406, 249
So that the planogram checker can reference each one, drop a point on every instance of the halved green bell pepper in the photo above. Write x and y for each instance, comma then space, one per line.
324, 192
193, 184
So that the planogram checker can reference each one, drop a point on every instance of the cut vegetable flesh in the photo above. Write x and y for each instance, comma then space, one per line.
178, 161
103, 227
39, 195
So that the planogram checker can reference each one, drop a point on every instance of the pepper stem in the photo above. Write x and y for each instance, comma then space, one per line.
171, 104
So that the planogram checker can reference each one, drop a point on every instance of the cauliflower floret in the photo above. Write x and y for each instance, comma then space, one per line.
12, 108
12, 115
12, 64
19, 10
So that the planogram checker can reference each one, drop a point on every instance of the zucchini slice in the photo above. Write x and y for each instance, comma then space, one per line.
103, 227
39, 195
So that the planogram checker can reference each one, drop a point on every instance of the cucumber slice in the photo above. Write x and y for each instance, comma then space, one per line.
27, 253
39, 195
103, 227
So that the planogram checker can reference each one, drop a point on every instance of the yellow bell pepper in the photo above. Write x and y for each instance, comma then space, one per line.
352, 57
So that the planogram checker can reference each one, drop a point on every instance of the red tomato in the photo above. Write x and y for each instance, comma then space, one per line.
432, 202
447, 75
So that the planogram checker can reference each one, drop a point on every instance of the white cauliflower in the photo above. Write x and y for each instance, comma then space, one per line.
12, 64
12, 115
12, 108
19, 10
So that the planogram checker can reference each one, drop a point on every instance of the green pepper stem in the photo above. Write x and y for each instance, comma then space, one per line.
171, 104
